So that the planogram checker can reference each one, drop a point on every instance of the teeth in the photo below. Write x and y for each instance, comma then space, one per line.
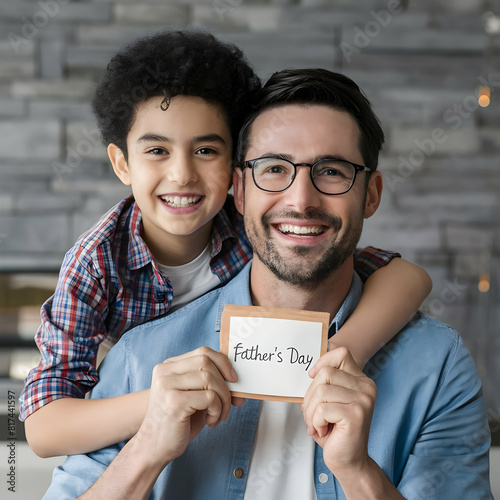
178, 201
288, 228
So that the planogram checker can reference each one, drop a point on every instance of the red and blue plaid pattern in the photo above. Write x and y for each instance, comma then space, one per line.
368, 260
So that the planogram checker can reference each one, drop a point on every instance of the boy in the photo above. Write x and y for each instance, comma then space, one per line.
169, 107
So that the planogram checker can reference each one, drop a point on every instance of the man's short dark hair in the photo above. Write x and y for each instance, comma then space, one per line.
168, 64
319, 87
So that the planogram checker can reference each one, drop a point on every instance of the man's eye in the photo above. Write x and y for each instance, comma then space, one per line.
276, 169
330, 172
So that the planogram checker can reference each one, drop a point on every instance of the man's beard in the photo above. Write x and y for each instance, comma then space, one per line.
308, 273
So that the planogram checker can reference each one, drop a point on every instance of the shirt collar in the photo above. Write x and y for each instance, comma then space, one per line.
138, 252
236, 292
349, 304
222, 230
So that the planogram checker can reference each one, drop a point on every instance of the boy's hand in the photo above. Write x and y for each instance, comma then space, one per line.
187, 392
338, 408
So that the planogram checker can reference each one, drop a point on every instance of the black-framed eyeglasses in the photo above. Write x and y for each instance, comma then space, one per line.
329, 176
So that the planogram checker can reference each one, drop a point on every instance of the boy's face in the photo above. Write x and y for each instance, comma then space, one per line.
179, 167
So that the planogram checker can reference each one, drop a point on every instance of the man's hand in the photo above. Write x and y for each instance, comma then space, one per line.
338, 408
187, 393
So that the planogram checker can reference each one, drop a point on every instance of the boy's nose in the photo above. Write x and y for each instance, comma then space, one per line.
181, 171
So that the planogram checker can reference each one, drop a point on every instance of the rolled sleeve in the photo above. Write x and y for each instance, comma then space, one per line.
368, 260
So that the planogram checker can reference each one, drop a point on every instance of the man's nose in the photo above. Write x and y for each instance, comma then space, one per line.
302, 193
181, 170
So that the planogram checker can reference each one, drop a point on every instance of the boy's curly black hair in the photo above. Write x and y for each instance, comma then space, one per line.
168, 64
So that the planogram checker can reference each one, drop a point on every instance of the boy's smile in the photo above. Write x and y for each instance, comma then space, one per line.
179, 167
181, 201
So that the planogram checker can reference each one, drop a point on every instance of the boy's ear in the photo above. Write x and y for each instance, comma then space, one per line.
238, 189
120, 165
373, 194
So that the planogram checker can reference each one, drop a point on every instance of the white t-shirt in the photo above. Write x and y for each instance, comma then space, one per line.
190, 280
285, 471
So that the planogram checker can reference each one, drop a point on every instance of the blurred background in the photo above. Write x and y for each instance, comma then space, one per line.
431, 69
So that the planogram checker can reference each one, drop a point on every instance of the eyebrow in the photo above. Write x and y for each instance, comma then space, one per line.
285, 156
282, 156
195, 140
153, 138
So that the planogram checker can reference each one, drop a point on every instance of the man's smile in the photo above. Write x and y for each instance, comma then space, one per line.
300, 229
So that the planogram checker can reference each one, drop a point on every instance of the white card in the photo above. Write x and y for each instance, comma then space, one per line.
272, 350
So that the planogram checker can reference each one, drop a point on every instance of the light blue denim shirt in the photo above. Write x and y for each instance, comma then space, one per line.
429, 431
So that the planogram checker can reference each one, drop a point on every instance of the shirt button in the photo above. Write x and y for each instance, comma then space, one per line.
323, 478
238, 473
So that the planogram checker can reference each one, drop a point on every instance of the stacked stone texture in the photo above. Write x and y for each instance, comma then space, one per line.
420, 63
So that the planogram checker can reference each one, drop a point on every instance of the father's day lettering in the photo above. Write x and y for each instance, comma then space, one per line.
253, 353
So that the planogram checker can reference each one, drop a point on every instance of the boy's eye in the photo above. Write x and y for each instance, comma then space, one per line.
206, 151
157, 151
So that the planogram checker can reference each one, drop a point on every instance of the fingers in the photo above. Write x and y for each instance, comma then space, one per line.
189, 402
202, 356
173, 419
199, 370
339, 405
338, 357
237, 401
202, 382
339, 394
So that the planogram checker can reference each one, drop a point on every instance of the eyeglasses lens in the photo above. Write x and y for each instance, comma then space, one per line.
329, 176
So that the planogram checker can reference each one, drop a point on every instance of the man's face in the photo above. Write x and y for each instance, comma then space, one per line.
300, 234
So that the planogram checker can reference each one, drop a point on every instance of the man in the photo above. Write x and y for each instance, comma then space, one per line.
416, 428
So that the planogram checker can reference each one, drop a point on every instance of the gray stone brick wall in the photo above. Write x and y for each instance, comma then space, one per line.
420, 63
